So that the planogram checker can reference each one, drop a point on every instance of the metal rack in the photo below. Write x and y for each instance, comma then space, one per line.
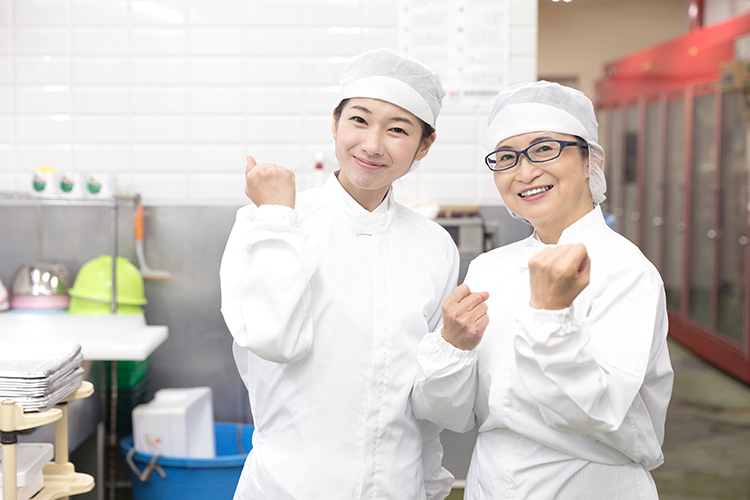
113, 203
60, 477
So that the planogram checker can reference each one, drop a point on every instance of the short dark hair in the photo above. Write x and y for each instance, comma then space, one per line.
427, 129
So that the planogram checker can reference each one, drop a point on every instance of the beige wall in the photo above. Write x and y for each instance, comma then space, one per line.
576, 39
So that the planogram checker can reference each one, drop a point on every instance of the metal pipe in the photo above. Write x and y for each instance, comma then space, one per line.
113, 252
13, 198
112, 442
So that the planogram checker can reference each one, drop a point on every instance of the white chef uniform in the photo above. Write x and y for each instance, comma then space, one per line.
570, 404
327, 304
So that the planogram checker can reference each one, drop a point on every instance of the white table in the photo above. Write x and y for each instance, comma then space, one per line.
117, 337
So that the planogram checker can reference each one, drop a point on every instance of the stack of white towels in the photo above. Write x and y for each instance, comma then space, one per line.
38, 376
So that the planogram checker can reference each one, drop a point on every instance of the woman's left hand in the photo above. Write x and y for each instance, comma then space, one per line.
558, 274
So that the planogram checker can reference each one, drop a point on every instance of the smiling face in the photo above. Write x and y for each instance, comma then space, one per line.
376, 143
551, 195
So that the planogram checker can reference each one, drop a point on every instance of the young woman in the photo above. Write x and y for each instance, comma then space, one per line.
555, 346
327, 294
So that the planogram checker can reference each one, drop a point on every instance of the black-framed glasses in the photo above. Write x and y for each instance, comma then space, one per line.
504, 159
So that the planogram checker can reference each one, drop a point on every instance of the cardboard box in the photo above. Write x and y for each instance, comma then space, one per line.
735, 75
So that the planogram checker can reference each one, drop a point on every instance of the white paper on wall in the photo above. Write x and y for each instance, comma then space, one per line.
465, 41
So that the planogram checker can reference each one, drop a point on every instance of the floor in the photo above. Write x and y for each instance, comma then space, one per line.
707, 440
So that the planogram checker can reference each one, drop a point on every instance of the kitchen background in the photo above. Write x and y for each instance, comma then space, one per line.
166, 98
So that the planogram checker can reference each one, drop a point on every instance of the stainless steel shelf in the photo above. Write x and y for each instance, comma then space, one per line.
20, 199
113, 203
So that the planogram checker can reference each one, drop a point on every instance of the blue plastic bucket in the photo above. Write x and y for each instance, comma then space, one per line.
195, 478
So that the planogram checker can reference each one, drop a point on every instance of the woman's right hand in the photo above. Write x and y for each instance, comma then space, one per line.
557, 275
269, 184
465, 317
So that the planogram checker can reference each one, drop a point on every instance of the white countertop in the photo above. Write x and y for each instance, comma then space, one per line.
117, 337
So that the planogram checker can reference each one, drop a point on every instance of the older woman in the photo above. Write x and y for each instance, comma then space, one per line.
554, 346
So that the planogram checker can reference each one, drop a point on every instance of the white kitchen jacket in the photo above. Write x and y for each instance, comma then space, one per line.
327, 304
570, 404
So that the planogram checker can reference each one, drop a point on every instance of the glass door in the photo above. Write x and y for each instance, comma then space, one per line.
674, 215
612, 165
653, 217
703, 191
734, 210
629, 176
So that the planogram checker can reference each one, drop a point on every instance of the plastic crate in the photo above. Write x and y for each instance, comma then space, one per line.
129, 373
127, 399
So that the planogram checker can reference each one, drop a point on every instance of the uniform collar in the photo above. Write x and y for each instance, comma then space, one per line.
580, 231
346, 208
583, 228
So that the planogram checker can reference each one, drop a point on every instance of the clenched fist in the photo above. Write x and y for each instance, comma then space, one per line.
269, 184
465, 317
558, 275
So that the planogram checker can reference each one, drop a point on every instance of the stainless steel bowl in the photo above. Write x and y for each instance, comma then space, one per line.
40, 278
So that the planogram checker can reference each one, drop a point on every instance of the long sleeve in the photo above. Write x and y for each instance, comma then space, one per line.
446, 384
265, 274
586, 373
437, 479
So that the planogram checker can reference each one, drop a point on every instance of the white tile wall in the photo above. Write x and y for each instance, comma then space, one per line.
99, 41
4, 12
49, 99
4, 160
28, 157
157, 42
40, 12
104, 158
5, 70
4, 41
212, 13
5, 129
160, 158
5, 99
158, 100
99, 12
98, 100
43, 70
169, 96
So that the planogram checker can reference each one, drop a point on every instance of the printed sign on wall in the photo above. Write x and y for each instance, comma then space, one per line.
465, 41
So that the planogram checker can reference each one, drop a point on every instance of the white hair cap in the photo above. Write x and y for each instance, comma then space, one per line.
548, 107
396, 78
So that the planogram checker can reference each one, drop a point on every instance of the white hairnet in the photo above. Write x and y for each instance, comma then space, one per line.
396, 78
548, 107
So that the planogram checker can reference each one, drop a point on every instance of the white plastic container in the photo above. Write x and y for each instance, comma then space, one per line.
30, 489
176, 423
30, 460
